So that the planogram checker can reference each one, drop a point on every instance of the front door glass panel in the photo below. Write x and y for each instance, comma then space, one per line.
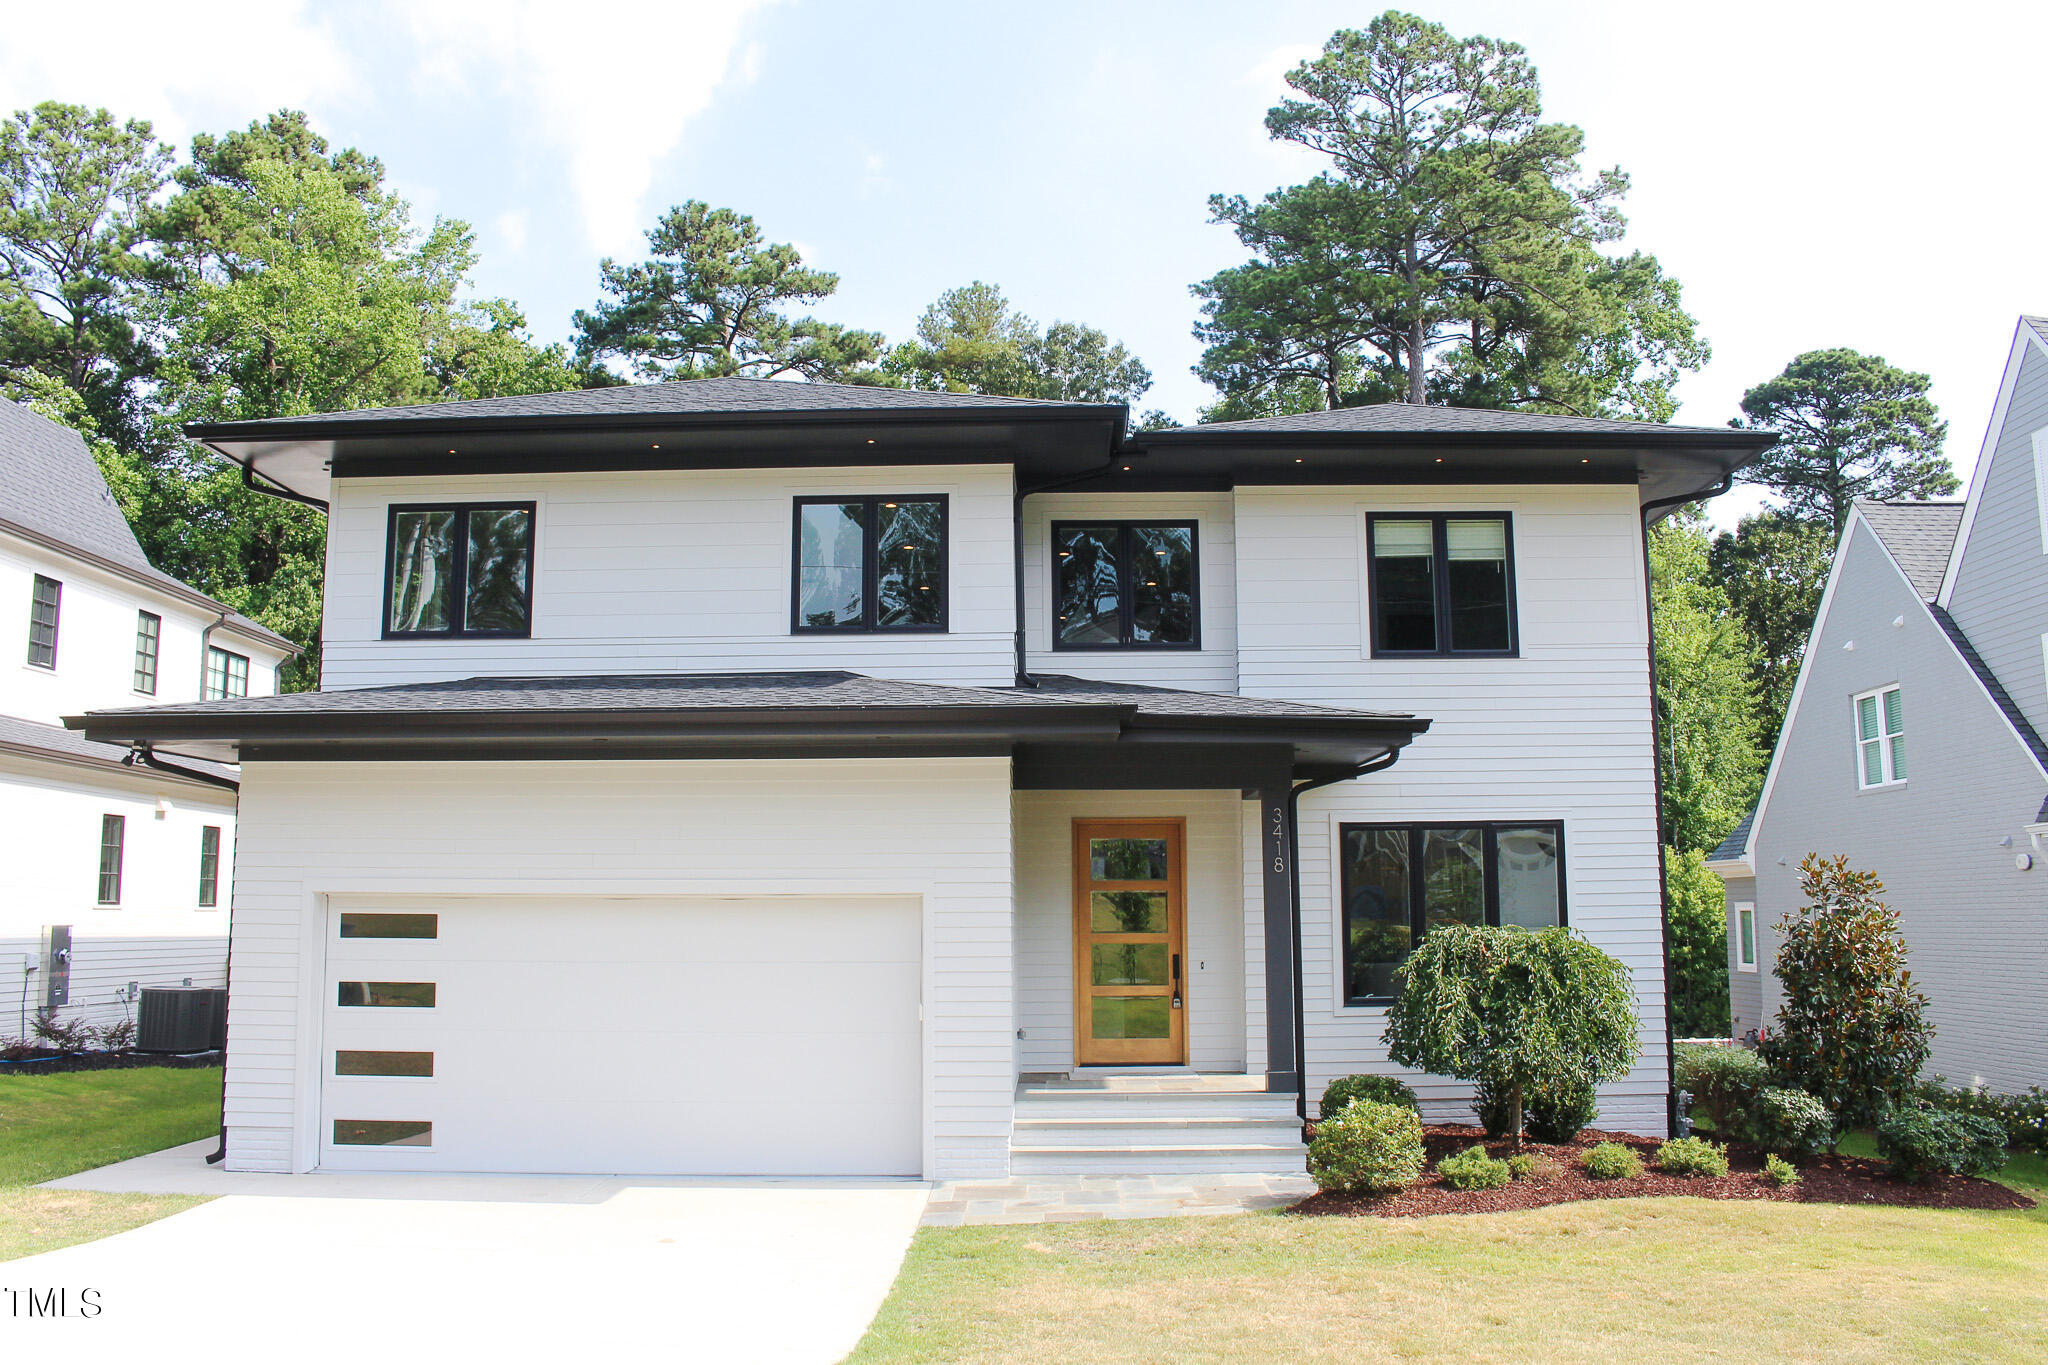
1129, 978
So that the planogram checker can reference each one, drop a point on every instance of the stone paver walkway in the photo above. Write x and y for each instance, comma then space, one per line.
1078, 1198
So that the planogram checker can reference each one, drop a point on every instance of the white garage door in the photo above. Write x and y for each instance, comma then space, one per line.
697, 1036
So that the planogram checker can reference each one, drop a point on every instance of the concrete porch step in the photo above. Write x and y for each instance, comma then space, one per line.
1031, 1128
1158, 1158
1083, 1104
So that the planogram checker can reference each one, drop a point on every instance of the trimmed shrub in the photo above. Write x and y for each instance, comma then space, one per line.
1493, 1111
1473, 1169
1378, 1089
1921, 1143
1367, 1148
1557, 1113
1534, 1166
1791, 1123
1779, 1171
2025, 1115
1723, 1082
1611, 1161
1692, 1156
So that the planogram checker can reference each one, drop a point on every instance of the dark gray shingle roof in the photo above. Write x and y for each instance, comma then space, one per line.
1999, 696
1737, 842
2040, 326
683, 397
1919, 535
1394, 419
57, 742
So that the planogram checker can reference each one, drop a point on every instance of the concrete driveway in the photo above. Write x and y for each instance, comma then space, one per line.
512, 1268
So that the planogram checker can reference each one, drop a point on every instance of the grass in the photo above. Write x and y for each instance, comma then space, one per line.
1612, 1280
53, 1126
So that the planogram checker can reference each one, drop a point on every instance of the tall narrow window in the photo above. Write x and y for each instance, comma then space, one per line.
149, 628
113, 834
1880, 738
459, 570
1745, 936
227, 674
869, 564
1442, 585
1123, 585
209, 865
42, 621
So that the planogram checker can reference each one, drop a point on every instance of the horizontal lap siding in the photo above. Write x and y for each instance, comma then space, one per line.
101, 968
936, 828
1745, 989
674, 571
1563, 732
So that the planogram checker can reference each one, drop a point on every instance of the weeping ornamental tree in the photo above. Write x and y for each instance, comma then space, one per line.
1513, 1010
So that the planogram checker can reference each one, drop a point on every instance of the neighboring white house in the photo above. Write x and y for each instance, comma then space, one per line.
116, 874
1913, 746
738, 777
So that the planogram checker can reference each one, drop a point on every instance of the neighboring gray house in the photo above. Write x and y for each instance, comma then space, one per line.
1913, 745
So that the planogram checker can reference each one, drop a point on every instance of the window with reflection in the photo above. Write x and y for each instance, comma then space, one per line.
1398, 882
1442, 585
870, 564
459, 570
1123, 585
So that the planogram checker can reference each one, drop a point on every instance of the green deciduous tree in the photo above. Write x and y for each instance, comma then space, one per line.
972, 341
1709, 746
1773, 567
1850, 426
1852, 1030
1515, 1010
1696, 925
712, 300
1451, 254
74, 188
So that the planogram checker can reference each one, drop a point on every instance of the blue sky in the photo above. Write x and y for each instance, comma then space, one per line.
1816, 174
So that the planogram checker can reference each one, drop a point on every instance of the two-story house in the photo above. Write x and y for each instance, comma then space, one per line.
1913, 746
116, 871
748, 777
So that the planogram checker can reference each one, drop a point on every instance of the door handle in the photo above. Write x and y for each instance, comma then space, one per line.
1176, 980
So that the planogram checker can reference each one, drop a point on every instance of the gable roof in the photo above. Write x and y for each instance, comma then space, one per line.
1919, 535
1428, 419
2030, 336
2040, 325
1734, 848
54, 742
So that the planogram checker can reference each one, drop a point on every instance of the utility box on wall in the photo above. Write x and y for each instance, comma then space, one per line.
56, 965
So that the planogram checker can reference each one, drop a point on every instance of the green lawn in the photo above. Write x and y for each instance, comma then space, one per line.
1636, 1279
53, 1126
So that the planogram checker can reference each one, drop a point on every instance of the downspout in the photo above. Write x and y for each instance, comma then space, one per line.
206, 646
1657, 786
1024, 678
1294, 795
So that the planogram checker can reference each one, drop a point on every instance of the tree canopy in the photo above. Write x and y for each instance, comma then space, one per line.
1773, 567
1850, 426
1450, 254
972, 341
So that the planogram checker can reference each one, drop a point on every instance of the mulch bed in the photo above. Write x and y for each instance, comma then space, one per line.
1827, 1180
45, 1063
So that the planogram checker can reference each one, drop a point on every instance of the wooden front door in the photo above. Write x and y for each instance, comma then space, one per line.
1129, 908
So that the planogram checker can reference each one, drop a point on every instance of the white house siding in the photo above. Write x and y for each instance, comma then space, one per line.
1971, 918
938, 829
1563, 732
1213, 667
157, 936
1745, 989
1045, 919
2000, 598
673, 571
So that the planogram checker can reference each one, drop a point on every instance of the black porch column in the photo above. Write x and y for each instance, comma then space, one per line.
1283, 1068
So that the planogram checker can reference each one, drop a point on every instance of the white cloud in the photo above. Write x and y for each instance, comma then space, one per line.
185, 72
614, 94
511, 228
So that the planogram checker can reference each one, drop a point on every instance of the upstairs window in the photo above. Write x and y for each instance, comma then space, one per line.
869, 564
227, 674
1401, 881
149, 629
209, 865
42, 622
1125, 585
456, 570
1442, 586
1745, 936
113, 834
1880, 739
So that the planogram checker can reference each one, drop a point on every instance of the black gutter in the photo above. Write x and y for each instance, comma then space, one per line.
1657, 786
345, 426
267, 487
1295, 792
142, 754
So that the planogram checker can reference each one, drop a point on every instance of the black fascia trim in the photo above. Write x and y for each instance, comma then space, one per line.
1660, 441
488, 750
1124, 527
345, 428
458, 568
1417, 909
870, 569
1440, 574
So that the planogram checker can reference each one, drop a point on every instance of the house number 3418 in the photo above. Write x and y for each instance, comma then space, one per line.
1279, 833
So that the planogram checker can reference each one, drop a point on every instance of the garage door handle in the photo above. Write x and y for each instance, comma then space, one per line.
1176, 980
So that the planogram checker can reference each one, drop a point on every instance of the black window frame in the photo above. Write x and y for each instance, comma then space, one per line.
1417, 910
1124, 526
149, 638
1441, 579
209, 866
871, 564
227, 672
458, 569
114, 841
36, 603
